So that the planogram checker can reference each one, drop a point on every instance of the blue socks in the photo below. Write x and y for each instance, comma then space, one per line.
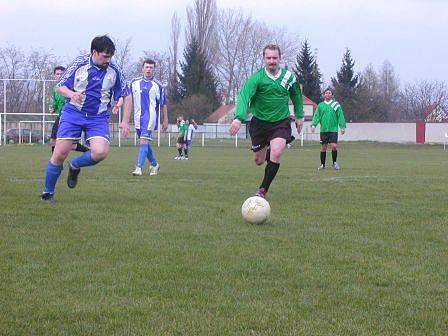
51, 177
142, 155
151, 156
84, 160
146, 153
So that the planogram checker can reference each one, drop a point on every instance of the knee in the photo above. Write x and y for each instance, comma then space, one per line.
334, 147
58, 157
99, 154
275, 155
259, 161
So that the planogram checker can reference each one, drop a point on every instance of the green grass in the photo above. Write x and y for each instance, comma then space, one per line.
363, 251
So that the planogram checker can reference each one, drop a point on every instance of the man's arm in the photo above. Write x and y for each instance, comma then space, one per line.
76, 97
341, 120
244, 97
316, 119
297, 100
165, 117
127, 108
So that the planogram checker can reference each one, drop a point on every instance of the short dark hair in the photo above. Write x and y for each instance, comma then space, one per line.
272, 47
149, 61
59, 67
329, 89
102, 44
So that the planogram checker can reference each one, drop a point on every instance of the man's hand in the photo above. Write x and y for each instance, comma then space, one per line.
51, 110
165, 124
342, 131
78, 97
124, 129
313, 128
235, 126
117, 106
299, 125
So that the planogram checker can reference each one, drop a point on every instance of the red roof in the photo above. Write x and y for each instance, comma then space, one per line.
219, 113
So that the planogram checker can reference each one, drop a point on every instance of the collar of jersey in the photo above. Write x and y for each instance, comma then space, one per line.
329, 102
274, 78
91, 64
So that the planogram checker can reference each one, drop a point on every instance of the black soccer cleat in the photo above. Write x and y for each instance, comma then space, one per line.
47, 198
72, 178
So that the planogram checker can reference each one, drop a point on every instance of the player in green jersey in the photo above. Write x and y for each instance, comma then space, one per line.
56, 107
330, 116
181, 139
267, 93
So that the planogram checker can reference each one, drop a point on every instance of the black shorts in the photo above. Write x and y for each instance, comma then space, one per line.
262, 132
328, 137
54, 129
181, 140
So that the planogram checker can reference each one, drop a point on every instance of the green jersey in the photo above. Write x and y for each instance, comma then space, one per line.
182, 128
58, 102
330, 116
268, 96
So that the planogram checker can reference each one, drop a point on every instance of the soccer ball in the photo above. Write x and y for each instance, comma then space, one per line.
256, 210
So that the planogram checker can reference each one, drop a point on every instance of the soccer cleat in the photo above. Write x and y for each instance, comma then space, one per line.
137, 171
186, 158
72, 178
177, 157
336, 166
154, 170
261, 193
321, 167
47, 198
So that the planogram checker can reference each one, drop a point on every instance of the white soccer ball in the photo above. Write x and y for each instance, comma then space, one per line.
256, 210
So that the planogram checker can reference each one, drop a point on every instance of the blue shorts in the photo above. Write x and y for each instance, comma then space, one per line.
72, 125
188, 143
144, 134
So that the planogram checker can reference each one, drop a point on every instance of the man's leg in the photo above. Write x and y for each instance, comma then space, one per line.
334, 155
323, 156
77, 146
277, 146
54, 168
99, 149
54, 133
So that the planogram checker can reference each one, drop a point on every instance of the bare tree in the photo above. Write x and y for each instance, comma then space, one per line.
173, 82
201, 26
123, 55
425, 100
232, 37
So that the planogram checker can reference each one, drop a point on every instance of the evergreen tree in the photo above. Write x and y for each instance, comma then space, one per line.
197, 79
308, 73
345, 86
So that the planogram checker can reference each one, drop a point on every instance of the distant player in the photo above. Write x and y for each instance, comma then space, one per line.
330, 116
89, 83
148, 96
192, 126
181, 139
267, 92
56, 107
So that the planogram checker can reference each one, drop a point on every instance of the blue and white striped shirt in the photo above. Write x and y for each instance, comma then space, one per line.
148, 96
98, 84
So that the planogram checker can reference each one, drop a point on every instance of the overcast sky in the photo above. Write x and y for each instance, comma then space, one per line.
411, 34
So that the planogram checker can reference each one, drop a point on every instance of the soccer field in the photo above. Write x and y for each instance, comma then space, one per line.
362, 251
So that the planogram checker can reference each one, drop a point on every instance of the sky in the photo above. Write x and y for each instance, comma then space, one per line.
410, 34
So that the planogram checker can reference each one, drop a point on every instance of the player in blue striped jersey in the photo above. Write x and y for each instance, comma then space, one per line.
148, 97
90, 83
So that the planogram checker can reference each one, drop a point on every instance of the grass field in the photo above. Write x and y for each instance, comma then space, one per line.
362, 251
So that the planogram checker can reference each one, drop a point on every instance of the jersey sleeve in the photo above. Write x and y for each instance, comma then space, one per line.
341, 118
121, 87
316, 116
245, 96
68, 77
162, 99
295, 93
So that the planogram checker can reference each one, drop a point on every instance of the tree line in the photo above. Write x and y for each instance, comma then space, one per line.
223, 47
